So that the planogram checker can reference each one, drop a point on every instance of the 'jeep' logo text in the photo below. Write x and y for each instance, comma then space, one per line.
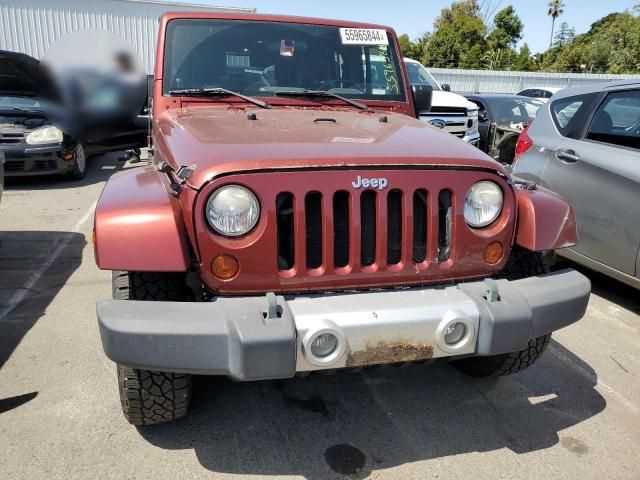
379, 183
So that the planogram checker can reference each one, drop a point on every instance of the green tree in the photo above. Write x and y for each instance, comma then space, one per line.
523, 62
612, 45
507, 29
564, 36
556, 8
457, 31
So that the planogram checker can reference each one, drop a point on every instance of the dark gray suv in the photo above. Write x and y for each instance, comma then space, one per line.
585, 145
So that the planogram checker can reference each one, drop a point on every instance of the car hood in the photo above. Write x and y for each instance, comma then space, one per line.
219, 140
450, 99
19, 74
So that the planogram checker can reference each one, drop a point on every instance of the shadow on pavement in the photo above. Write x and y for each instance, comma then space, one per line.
353, 423
606, 287
99, 169
27, 260
10, 403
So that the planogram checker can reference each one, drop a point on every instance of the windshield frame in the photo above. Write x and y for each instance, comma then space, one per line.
402, 103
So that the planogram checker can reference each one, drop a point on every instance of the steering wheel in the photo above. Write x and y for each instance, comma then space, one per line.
337, 83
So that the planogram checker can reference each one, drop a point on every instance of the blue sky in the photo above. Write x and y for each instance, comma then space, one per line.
416, 17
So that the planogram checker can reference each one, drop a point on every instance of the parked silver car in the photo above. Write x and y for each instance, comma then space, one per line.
585, 145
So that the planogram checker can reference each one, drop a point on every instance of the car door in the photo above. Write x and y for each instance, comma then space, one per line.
599, 173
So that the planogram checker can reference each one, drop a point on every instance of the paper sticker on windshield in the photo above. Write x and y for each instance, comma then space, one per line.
364, 36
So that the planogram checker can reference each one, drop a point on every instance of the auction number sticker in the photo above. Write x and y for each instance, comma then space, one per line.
364, 36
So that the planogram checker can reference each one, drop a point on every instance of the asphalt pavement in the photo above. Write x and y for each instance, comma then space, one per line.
575, 414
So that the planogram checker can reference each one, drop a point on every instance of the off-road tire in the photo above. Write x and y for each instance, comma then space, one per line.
521, 264
505, 364
150, 397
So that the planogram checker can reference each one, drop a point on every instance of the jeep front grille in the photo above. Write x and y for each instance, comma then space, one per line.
320, 230
366, 206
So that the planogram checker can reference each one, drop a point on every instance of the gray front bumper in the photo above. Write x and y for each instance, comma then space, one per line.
250, 338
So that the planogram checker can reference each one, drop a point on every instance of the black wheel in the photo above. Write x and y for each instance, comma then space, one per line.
522, 264
79, 163
150, 397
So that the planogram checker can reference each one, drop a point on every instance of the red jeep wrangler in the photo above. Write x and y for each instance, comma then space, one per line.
298, 217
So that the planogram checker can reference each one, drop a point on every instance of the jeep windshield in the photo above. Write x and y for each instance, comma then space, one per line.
266, 59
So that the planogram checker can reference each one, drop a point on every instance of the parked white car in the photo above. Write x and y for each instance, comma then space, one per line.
543, 93
449, 111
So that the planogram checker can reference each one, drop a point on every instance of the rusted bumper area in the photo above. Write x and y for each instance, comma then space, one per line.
255, 338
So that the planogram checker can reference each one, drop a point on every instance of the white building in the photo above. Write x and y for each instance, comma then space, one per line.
31, 26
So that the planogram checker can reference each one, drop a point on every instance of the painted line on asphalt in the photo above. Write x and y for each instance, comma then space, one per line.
593, 376
22, 292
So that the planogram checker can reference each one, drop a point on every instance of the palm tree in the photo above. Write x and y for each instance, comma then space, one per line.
555, 10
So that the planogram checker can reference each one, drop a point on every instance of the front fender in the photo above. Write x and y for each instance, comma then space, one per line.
546, 221
138, 225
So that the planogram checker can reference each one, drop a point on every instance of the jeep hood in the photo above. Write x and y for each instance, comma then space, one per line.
19, 74
220, 140
450, 99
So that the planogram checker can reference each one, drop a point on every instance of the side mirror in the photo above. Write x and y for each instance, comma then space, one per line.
446, 87
422, 96
482, 116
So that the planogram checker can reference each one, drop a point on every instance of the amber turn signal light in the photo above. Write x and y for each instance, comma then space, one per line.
493, 253
225, 267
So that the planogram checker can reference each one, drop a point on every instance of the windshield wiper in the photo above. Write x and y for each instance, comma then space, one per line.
216, 92
321, 94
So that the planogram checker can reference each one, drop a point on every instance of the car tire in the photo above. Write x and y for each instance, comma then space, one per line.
79, 163
149, 397
521, 264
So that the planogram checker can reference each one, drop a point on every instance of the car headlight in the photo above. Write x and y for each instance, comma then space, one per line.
233, 210
44, 135
483, 204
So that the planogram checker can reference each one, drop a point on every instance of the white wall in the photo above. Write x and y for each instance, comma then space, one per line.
31, 26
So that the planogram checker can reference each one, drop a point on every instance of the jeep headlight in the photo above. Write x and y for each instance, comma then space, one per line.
483, 204
233, 210
44, 135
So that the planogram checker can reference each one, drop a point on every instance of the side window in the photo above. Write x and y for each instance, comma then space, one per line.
617, 120
548, 94
568, 114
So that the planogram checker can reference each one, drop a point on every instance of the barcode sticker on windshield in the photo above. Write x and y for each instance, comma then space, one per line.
363, 36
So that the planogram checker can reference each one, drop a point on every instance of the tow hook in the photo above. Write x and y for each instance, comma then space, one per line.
492, 293
274, 311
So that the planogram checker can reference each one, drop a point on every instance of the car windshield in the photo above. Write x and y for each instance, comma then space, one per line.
11, 102
509, 111
259, 58
418, 75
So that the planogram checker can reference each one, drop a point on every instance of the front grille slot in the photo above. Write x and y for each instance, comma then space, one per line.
313, 229
341, 215
285, 228
420, 226
394, 227
368, 228
445, 223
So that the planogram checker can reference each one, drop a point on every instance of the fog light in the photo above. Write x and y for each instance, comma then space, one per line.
493, 253
225, 267
454, 333
324, 345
